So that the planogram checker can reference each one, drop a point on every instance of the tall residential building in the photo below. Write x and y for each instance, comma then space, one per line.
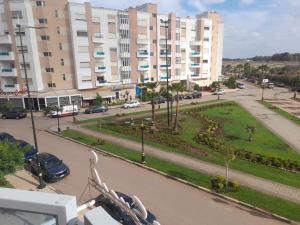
105, 51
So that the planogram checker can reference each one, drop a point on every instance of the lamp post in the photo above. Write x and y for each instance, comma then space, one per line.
40, 174
58, 127
143, 151
74, 119
166, 23
262, 93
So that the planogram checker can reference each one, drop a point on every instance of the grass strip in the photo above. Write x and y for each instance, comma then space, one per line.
267, 202
281, 112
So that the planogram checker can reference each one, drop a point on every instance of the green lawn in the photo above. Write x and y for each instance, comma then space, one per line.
270, 203
281, 112
234, 124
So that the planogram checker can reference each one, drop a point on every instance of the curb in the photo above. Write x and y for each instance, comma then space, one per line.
280, 218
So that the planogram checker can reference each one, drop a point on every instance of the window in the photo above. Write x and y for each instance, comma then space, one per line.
95, 19
58, 30
62, 62
84, 64
64, 76
206, 39
83, 49
178, 48
16, 14
151, 27
151, 54
205, 61
21, 33
206, 28
80, 16
43, 21
40, 3
178, 60
177, 36
81, 33
154, 14
154, 41
25, 49
45, 37
49, 70
47, 54
154, 66
60, 46
50, 85
27, 65
56, 13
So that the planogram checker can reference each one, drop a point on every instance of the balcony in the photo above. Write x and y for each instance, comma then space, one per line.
98, 39
164, 77
10, 87
6, 40
99, 54
142, 54
195, 54
124, 26
8, 72
100, 83
195, 75
7, 55
124, 41
163, 41
195, 65
164, 66
125, 55
100, 69
142, 41
164, 53
125, 68
143, 67
195, 43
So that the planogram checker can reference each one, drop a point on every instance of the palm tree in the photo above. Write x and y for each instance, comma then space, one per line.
177, 87
263, 72
152, 94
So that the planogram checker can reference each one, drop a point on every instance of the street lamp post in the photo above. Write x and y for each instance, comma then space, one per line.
143, 151
40, 174
263, 91
166, 23
58, 127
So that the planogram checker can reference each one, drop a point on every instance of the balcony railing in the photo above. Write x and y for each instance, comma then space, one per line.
99, 54
98, 39
100, 69
195, 43
8, 72
142, 41
6, 39
143, 67
195, 65
163, 54
195, 54
142, 54
101, 83
164, 66
4, 55
195, 75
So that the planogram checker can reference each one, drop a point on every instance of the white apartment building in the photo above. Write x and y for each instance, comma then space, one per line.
106, 51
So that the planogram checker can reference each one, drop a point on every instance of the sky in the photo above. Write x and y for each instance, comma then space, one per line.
251, 27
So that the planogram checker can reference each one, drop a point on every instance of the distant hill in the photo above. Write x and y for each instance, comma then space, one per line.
285, 56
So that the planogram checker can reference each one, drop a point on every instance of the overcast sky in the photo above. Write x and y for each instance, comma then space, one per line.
252, 27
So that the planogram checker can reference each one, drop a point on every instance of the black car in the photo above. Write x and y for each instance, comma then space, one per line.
53, 169
193, 95
7, 137
14, 114
96, 109
29, 150
279, 84
160, 100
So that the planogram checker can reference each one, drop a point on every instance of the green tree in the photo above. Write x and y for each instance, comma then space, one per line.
98, 100
215, 85
177, 87
197, 87
151, 95
231, 82
296, 85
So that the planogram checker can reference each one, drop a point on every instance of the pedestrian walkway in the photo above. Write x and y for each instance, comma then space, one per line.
284, 128
257, 183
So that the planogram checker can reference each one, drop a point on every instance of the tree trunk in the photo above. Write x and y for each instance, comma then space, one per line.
226, 179
171, 109
153, 111
176, 116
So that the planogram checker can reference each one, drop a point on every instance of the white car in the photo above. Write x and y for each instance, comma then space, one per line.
66, 110
219, 92
131, 104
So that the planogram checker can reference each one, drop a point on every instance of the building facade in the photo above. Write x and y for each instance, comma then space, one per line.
106, 51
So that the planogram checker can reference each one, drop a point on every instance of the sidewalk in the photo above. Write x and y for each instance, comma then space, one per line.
257, 183
24, 180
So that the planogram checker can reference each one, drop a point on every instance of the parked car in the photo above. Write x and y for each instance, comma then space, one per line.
240, 85
219, 92
7, 137
131, 104
66, 110
160, 100
15, 113
270, 85
295, 89
279, 84
96, 109
193, 95
53, 169
30, 151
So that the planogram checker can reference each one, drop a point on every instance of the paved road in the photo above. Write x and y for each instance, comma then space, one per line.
172, 202
260, 184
